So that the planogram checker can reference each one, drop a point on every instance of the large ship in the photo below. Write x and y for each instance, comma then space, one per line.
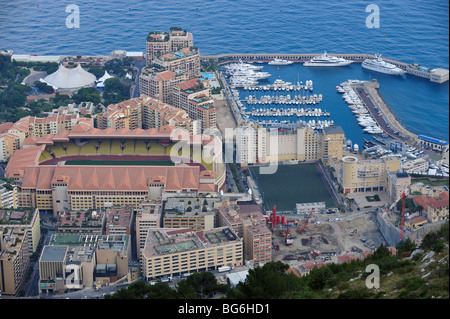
280, 62
327, 60
379, 65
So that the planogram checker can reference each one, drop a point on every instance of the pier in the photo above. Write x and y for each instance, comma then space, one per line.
440, 76
368, 93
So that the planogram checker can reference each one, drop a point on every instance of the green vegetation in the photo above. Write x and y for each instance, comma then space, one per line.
200, 285
44, 87
115, 91
49, 67
427, 181
400, 278
374, 198
13, 94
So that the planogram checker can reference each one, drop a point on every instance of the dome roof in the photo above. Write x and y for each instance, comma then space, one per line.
75, 78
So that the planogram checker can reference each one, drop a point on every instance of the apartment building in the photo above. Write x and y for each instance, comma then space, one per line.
256, 144
9, 143
159, 43
14, 260
169, 252
27, 219
248, 222
40, 126
159, 85
126, 114
148, 216
143, 112
333, 142
8, 195
183, 212
119, 221
436, 209
78, 222
186, 60
12, 137
359, 175
195, 98
397, 184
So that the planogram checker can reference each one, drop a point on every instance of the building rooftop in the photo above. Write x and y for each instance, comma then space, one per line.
53, 253
84, 239
119, 217
164, 241
433, 140
13, 217
179, 206
333, 130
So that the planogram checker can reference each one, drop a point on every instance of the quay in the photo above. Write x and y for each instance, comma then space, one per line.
387, 121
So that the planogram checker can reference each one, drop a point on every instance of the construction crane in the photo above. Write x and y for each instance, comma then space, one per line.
300, 231
404, 194
402, 197
402, 218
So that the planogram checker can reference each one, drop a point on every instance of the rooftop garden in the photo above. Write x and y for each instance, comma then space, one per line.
157, 36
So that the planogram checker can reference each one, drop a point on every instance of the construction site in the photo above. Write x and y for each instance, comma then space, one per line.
321, 237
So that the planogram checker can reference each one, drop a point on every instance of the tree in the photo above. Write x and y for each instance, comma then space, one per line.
44, 87
406, 245
269, 282
204, 284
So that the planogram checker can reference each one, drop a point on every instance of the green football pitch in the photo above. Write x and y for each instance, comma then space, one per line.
292, 184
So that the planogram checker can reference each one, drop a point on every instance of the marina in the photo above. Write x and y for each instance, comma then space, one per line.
355, 108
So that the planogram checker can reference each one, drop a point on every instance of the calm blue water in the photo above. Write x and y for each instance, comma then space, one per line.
410, 31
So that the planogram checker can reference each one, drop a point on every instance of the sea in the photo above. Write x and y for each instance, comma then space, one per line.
408, 31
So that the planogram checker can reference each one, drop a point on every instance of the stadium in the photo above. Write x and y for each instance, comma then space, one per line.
88, 168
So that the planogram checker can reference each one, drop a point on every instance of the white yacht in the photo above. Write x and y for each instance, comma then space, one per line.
327, 60
379, 65
280, 62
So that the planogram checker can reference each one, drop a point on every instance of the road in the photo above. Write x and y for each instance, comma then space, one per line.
137, 65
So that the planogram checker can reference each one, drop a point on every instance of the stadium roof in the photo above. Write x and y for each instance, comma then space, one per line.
65, 78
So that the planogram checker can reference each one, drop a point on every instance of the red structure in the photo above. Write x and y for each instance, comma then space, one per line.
402, 218
300, 231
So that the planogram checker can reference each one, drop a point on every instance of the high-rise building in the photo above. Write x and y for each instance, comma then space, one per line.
333, 143
14, 260
159, 85
28, 219
193, 97
143, 113
255, 144
159, 43
248, 222
186, 60
148, 216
